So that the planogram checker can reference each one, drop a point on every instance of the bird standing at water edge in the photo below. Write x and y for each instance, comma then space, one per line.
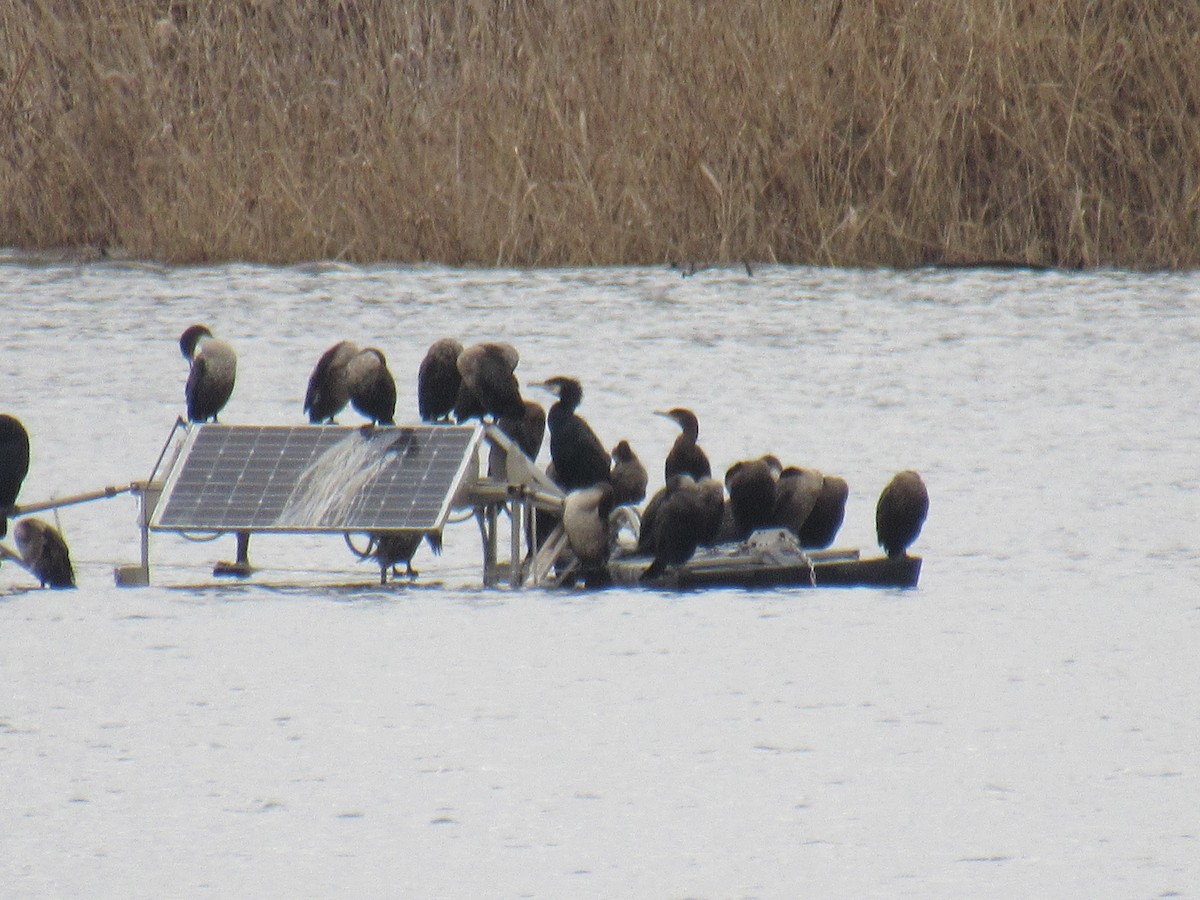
212, 374
14, 465
900, 512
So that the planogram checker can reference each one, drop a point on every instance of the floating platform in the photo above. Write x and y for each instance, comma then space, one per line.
772, 558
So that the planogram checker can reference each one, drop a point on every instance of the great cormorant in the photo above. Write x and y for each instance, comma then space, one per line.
14, 465
489, 379
823, 522
44, 552
751, 486
328, 386
796, 494
212, 374
901, 512
579, 457
392, 548
685, 454
372, 387
438, 380
585, 521
673, 525
628, 476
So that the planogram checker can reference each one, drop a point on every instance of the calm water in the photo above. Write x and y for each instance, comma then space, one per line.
1026, 722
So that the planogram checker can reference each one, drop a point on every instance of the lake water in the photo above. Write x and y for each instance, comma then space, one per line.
1024, 723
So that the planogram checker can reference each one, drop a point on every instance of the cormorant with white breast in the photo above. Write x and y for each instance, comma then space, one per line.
628, 476
372, 387
578, 456
438, 380
328, 386
489, 382
585, 520
212, 374
685, 454
14, 465
901, 512
44, 553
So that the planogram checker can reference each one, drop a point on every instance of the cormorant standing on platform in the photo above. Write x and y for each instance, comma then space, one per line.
822, 524
586, 524
673, 525
44, 552
796, 494
488, 373
752, 486
628, 476
901, 512
579, 458
438, 380
527, 430
372, 387
328, 387
685, 454
14, 465
213, 371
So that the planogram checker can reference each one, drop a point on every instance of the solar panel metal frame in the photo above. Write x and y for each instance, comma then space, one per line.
245, 477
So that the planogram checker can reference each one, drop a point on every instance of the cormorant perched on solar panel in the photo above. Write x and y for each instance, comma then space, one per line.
213, 370
751, 487
586, 524
686, 455
628, 476
438, 380
392, 548
901, 512
328, 387
796, 494
14, 465
372, 387
579, 458
822, 524
488, 375
44, 553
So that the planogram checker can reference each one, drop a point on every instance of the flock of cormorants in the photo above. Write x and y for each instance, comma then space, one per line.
456, 383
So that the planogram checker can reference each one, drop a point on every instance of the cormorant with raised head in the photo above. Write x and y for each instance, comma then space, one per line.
579, 458
438, 380
685, 454
44, 553
901, 512
14, 465
212, 374
751, 486
628, 476
328, 386
585, 520
823, 522
489, 379
372, 387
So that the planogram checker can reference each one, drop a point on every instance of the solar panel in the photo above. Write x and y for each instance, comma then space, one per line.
315, 478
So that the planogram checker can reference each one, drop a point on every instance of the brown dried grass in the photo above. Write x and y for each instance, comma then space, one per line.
536, 132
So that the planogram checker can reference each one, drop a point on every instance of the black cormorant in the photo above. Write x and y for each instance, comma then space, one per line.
488, 373
579, 458
372, 387
796, 494
585, 521
823, 522
14, 465
213, 371
628, 476
328, 387
685, 454
527, 430
44, 553
751, 486
673, 525
901, 512
392, 548
438, 380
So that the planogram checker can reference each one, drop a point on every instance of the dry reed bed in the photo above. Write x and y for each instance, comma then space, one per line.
537, 132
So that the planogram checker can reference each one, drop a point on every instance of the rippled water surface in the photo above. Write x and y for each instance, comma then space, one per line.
1025, 723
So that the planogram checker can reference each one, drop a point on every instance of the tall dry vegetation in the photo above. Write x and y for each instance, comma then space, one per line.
538, 132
